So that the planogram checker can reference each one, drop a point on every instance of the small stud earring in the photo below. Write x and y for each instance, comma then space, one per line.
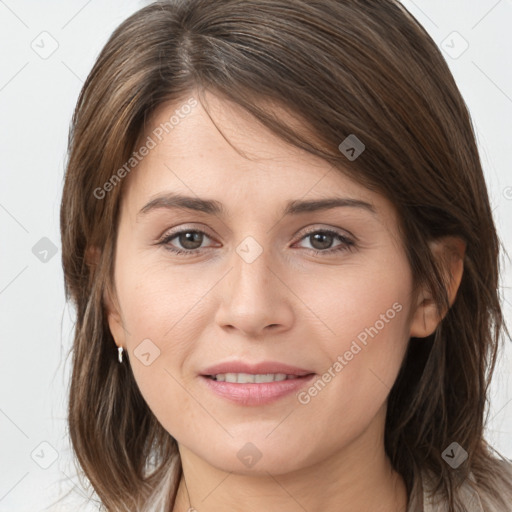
120, 354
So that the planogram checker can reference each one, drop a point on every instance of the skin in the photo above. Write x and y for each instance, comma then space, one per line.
288, 305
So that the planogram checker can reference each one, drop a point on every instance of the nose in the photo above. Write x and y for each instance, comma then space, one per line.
254, 297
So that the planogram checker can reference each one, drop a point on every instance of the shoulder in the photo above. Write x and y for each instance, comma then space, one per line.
473, 495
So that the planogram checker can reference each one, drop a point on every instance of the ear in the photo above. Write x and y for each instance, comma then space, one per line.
115, 322
92, 258
449, 251
92, 255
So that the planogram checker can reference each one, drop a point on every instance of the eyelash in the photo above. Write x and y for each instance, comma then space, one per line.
346, 245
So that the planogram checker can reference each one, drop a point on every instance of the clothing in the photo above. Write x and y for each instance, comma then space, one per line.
423, 499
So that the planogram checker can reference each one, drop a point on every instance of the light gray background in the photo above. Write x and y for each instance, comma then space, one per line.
37, 97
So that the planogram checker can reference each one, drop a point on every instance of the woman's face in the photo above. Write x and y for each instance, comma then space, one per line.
255, 292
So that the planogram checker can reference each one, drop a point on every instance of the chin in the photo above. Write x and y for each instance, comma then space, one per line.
256, 455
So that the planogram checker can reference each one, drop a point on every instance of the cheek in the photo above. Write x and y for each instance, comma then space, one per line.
360, 301
158, 302
163, 315
366, 333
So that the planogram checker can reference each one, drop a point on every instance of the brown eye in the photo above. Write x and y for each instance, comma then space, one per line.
322, 240
189, 241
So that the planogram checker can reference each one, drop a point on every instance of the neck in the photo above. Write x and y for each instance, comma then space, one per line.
359, 476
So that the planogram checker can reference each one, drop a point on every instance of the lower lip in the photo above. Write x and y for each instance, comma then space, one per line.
256, 393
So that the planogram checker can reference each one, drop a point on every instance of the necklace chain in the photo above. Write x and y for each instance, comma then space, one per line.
190, 509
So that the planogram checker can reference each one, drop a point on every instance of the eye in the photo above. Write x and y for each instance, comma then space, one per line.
321, 240
190, 239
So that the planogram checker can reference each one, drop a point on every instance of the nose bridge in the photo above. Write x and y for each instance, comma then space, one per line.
251, 296
251, 273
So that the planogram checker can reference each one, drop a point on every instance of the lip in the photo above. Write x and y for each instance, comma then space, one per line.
255, 369
254, 394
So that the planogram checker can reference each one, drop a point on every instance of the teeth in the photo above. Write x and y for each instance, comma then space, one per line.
243, 378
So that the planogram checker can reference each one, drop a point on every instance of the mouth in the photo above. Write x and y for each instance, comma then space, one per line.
255, 384
243, 372
250, 378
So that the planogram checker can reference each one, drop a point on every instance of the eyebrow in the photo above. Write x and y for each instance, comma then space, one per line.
212, 207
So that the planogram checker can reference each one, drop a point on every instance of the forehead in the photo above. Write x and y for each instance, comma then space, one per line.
193, 158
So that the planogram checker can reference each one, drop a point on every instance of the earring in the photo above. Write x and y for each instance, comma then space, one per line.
120, 354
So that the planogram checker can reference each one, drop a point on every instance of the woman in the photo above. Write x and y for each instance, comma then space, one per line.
220, 363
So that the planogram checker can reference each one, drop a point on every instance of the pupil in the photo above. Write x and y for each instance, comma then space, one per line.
319, 236
190, 237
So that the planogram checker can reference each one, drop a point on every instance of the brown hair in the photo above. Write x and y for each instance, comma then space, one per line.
342, 67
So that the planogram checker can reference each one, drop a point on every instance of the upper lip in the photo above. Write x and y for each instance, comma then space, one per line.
254, 368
